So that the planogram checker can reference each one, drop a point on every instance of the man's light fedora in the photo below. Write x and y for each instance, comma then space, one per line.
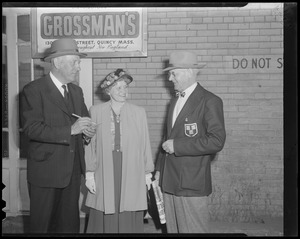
184, 60
61, 47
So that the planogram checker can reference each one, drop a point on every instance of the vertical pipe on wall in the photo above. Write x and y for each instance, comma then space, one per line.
13, 106
86, 80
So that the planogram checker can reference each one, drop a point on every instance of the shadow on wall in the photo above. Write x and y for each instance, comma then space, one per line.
101, 94
167, 84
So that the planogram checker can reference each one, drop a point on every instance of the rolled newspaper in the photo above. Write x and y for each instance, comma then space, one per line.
159, 201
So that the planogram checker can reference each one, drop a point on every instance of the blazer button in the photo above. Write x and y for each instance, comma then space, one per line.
71, 151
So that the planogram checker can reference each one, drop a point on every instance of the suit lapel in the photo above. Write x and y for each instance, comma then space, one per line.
54, 95
75, 99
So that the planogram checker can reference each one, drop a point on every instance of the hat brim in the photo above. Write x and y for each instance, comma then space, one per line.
57, 54
198, 66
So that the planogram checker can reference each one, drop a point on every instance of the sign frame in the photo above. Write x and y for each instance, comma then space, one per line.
37, 53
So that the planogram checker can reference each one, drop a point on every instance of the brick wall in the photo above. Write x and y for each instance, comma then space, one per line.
243, 49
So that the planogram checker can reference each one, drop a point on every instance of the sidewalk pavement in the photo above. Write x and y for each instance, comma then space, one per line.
267, 227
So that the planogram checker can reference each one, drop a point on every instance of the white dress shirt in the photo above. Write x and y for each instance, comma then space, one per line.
181, 101
58, 84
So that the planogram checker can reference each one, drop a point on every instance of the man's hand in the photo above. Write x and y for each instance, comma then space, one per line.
156, 176
168, 146
80, 125
90, 182
91, 130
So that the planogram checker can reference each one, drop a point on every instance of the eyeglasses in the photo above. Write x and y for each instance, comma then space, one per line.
171, 74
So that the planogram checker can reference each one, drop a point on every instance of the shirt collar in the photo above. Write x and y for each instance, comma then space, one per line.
190, 90
57, 83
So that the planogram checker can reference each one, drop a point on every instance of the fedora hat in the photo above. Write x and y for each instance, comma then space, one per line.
183, 60
61, 47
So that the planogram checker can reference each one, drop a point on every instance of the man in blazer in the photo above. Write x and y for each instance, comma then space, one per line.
195, 133
55, 159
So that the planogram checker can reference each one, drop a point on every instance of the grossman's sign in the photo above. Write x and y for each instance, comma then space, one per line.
99, 32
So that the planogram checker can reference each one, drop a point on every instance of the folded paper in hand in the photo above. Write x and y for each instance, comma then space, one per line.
159, 201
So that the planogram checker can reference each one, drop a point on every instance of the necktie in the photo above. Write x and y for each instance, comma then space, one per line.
181, 94
66, 94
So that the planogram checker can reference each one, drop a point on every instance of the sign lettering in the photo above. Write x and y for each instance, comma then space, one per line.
257, 63
90, 25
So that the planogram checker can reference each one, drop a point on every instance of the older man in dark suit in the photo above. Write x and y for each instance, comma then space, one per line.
195, 133
55, 155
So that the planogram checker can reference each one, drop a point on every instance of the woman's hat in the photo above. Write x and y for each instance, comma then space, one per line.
61, 47
114, 77
183, 60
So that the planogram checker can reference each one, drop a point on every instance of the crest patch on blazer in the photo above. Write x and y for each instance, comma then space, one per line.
190, 130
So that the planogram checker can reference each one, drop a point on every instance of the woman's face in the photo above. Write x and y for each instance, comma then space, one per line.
119, 92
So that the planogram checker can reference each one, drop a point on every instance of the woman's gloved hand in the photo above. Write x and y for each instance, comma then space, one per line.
148, 180
90, 182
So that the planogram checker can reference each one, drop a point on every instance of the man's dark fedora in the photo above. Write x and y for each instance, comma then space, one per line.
61, 47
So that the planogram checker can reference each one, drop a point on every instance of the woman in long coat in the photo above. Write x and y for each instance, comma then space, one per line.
118, 161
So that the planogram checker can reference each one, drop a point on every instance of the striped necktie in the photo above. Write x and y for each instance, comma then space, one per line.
66, 94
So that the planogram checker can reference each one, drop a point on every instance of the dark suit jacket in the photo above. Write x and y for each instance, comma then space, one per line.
198, 133
47, 122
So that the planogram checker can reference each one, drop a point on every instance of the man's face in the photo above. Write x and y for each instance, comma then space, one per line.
69, 67
179, 79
